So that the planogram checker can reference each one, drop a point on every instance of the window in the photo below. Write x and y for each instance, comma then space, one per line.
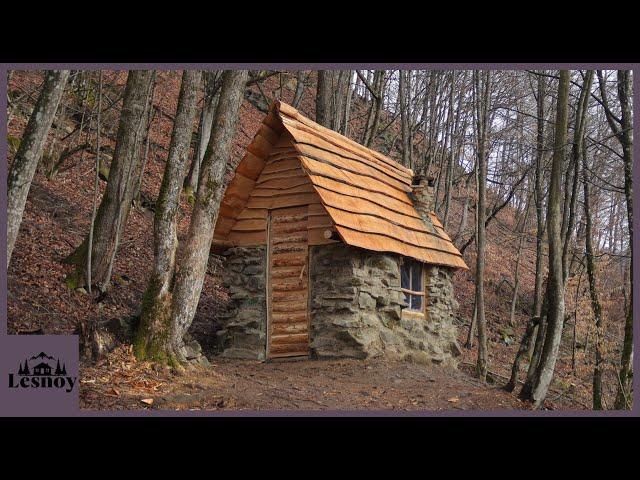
411, 284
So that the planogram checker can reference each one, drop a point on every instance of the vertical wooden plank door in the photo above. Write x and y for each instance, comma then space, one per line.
288, 283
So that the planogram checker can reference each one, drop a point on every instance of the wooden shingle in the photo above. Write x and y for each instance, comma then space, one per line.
361, 193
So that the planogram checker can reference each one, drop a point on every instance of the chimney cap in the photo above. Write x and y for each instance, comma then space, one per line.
419, 177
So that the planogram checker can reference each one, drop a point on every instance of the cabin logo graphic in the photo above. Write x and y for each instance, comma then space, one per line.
37, 372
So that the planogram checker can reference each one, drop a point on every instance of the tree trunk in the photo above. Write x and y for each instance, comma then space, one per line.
540, 332
576, 151
347, 106
472, 327
373, 117
622, 128
405, 124
482, 99
624, 395
339, 97
540, 325
516, 273
555, 288
154, 333
189, 278
453, 151
147, 141
113, 212
524, 347
593, 291
212, 85
29, 152
323, 98
297, 97
96, 190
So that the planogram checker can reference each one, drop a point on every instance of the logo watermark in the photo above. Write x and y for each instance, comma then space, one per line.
38, 372
39, 375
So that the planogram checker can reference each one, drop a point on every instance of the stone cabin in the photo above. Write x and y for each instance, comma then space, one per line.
332, 250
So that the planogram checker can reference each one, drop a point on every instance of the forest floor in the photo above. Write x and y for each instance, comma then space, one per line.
119, 383
56, 218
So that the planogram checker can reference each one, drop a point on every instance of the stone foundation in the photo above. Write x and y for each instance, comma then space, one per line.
356, 307
243, 323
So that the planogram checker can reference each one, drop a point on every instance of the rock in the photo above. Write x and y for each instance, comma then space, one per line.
419, 357
254, 283
238, 267
388, 338
382, 301
192, 349
366, 301
437, 359
253, 270
200, 361
382, 262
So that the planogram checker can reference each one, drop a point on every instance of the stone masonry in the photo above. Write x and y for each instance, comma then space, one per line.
356, 309
244, 321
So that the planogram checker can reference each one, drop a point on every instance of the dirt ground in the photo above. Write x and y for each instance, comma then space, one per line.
121, 383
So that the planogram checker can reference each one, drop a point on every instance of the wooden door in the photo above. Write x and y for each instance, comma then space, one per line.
288, 283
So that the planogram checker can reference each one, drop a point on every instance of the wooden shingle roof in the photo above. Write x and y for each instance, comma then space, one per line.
365, 193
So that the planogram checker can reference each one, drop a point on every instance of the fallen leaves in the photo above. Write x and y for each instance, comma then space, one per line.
120, 377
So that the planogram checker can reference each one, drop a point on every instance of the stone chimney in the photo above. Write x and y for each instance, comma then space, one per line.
423, 195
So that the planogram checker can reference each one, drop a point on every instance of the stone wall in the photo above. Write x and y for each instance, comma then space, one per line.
441, 310
356, 308
243, 322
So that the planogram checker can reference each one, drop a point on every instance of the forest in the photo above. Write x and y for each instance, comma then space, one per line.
115, 184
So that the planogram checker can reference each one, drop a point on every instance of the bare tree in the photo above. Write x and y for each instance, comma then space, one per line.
189, 278
115, 205
404, 100
555, 285
153, 340
591, 273
29, 152
537, 325
622, 128
482, 98
373, 116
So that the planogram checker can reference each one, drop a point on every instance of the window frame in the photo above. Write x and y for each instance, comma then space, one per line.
408, 264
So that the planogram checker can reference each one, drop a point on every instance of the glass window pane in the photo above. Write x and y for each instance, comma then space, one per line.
416, 276
407, 300
404, 282
416, 302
